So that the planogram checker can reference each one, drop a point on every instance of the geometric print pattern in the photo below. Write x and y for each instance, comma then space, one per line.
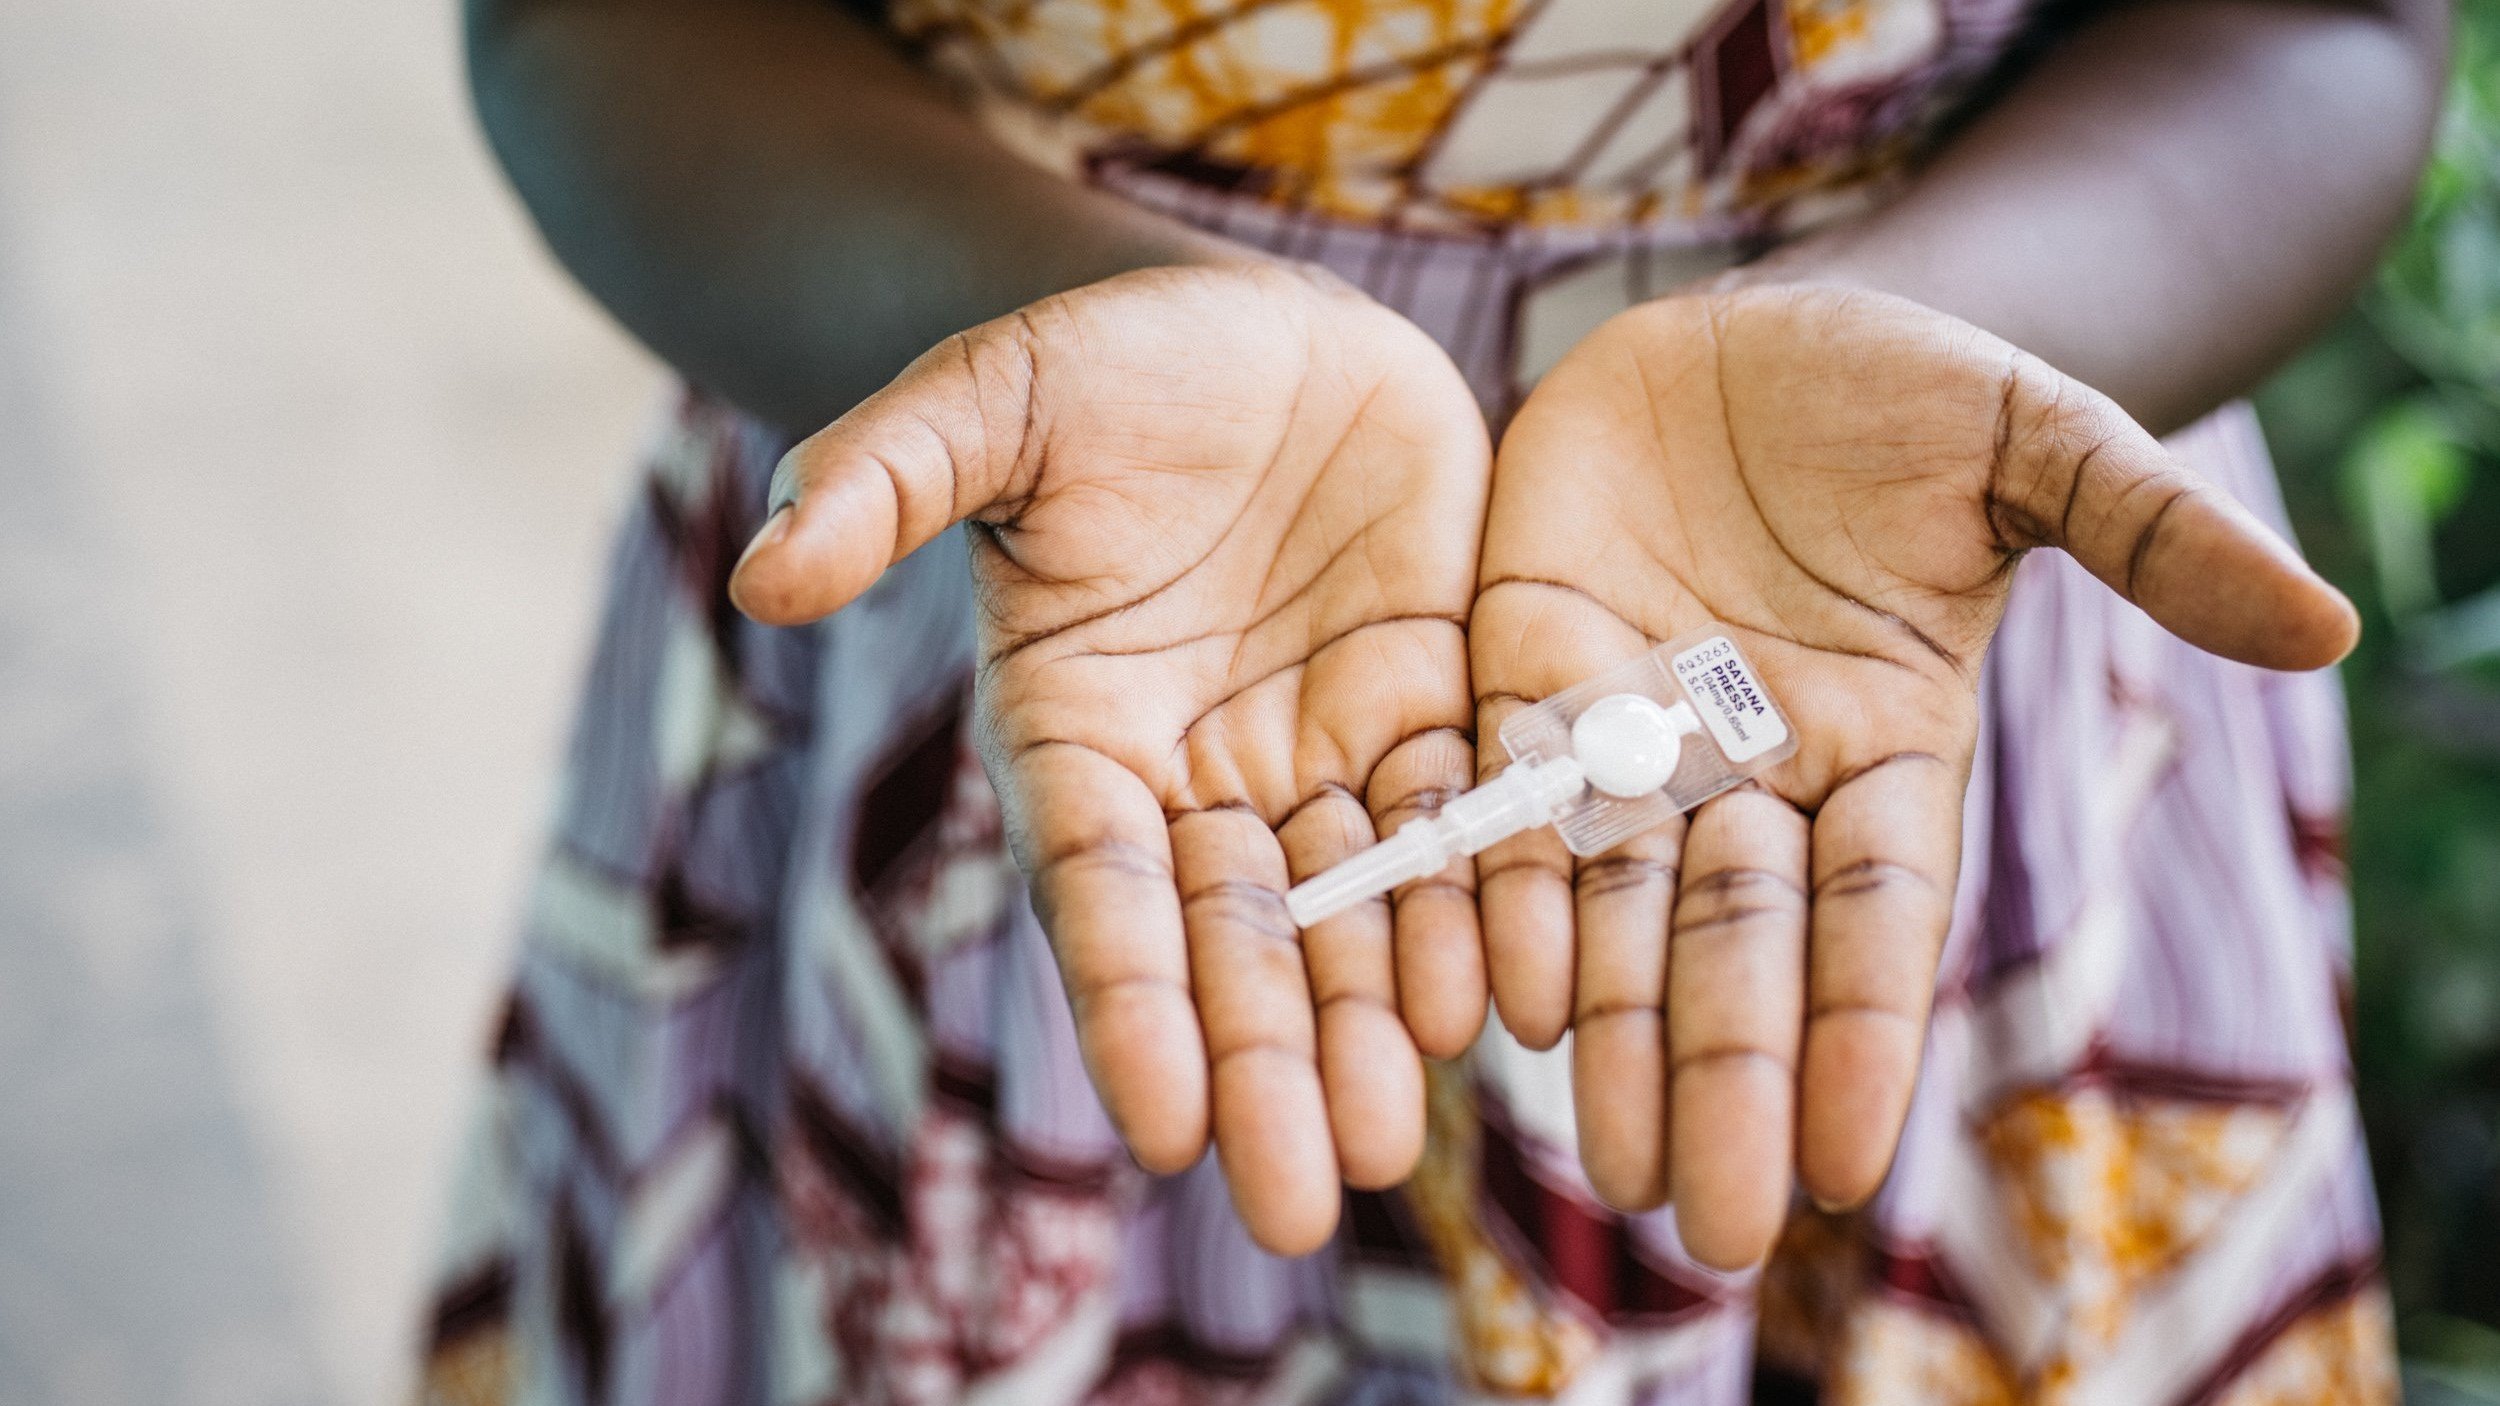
2109, 1190
1478, 115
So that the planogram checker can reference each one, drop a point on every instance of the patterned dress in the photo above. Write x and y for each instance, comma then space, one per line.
786, 1105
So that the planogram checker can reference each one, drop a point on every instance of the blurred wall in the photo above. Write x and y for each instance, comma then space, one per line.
306, 453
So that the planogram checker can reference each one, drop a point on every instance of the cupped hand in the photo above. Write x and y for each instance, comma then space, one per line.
1846, 480
1224, 534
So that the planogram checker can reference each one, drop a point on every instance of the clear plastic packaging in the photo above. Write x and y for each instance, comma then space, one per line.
1600, 761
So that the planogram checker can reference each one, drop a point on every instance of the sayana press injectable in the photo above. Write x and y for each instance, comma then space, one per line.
1600, 761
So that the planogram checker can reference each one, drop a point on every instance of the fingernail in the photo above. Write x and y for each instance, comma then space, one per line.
785, 484
775, 528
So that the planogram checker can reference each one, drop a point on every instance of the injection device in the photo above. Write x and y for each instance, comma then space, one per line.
1600, 762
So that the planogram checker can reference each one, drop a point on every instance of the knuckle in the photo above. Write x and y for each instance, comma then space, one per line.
2046, 427
1866, 877
1869, 1009
1250, 907
1736, 1058
1738, 898
1620, 874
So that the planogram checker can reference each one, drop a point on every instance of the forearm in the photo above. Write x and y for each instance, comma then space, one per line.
773, 199
2175, 200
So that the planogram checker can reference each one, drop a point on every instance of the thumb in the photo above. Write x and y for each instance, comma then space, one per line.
2076, 472
942, 442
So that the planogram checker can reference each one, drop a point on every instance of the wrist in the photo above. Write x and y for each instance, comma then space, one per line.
1828, 259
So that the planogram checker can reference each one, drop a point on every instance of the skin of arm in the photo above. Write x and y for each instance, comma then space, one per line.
774, 198
2178, 197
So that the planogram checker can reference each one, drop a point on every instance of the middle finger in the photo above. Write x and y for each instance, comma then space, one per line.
1619, 1017
1254, 1002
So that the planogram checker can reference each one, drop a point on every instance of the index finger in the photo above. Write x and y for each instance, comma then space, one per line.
1094, 840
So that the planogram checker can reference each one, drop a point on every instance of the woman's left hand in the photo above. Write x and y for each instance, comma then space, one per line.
1845, 480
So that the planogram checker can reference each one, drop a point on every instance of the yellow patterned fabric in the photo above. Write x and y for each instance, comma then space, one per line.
2336, 1353
2107, 1194
1514, 1337
1707, 115
1897, 1354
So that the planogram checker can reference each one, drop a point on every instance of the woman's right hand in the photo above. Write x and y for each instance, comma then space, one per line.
1225, 525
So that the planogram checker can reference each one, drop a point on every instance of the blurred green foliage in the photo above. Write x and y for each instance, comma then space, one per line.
2388, 433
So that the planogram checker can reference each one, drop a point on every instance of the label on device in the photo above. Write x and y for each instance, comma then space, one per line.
1731, 701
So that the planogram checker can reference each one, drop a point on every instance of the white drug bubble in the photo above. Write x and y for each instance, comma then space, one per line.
1629, 744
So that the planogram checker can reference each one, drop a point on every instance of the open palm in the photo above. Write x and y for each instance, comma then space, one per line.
1225, 525
1845, 480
